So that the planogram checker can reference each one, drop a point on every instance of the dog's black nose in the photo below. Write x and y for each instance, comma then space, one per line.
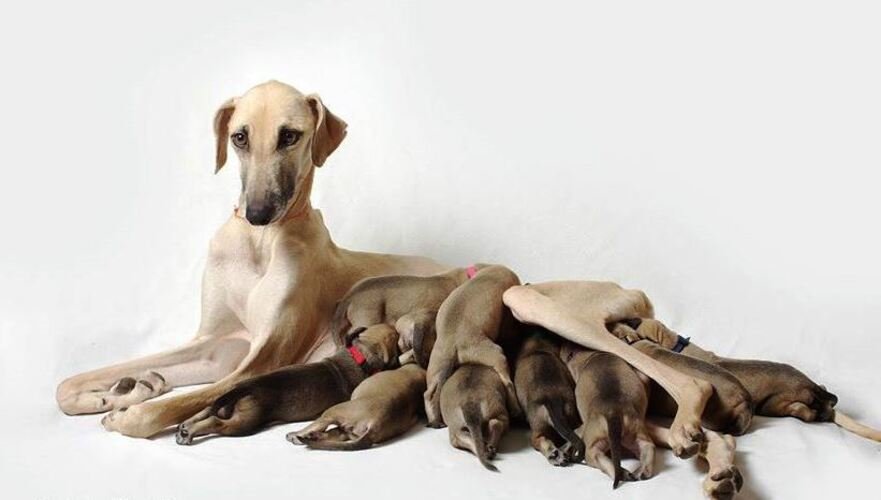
259, 214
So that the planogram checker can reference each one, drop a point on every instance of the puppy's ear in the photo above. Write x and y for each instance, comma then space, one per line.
330, 130
221, 131
351, 336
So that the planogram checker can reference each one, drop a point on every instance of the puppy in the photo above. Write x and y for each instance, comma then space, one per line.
469, 322
295, 393
612, 399
473, 404
776, 389
410, 303
729, 409
546, 393
382, 407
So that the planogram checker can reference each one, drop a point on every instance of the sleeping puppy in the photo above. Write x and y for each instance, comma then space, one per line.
473, 404
776, 389
469, 322
295, 393
410, 303
382, 407
546, 393
730, 408
612, 399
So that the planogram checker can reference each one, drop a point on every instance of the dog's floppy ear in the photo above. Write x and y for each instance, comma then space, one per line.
330, 130
351, 336
221, 131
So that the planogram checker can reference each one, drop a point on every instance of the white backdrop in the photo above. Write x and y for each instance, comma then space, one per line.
722, 157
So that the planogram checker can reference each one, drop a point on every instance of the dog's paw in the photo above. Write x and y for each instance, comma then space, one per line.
574, 452
183, 436
557, 457
294, 438
686, 439
723, 484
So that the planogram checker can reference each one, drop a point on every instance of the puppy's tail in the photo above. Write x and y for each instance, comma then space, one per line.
851, 425
360, 443
471, 414
560, 424
615, 433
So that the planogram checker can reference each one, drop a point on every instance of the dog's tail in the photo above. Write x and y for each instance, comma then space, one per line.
615, 434
851, 425
362, 442
563, 428
471, 414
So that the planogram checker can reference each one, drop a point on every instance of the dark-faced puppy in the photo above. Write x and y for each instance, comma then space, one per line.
469, 323
729, 409
546, 393
473, 404
776, 389
295, 393
612, 399
382, 407
410, 303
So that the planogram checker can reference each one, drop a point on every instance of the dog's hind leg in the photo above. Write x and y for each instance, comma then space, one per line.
644, 449
313, 430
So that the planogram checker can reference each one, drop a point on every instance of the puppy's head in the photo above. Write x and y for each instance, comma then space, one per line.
279, 135
379, 344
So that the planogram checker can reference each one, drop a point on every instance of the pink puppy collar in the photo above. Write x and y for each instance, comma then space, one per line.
470, 271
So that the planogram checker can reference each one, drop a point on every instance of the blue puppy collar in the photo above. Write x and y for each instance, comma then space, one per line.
681, 343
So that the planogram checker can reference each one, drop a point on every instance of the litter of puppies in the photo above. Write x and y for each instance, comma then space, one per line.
448, 347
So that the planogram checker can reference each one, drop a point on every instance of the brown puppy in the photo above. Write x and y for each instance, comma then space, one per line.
612, 399
729, 409
469, 322
546, 393
295, 393
410, 303
473, 404
777, 389
382, 407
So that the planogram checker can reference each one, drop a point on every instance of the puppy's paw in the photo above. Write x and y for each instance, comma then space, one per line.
557, 457
294, 438
574, 452
723, 484
182, 436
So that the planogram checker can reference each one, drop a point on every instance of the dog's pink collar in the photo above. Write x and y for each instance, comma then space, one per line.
471, 271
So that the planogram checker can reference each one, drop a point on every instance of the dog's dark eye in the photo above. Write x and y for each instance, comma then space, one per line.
287, 137
240, 139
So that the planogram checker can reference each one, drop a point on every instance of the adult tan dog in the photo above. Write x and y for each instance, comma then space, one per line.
272, 279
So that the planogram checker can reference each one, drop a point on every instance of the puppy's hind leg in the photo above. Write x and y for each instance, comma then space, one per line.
312, 431
645, 450
200, 424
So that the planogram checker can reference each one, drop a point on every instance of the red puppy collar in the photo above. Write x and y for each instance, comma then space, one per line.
357, 355
470, 271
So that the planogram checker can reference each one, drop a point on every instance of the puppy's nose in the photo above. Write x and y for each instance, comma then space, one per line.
259, 214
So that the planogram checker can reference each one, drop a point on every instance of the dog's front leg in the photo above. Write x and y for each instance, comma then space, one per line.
284, 327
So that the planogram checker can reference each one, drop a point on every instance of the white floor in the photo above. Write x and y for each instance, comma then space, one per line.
46, 455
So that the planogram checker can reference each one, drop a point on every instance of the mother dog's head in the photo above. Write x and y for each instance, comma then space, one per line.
279, 135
